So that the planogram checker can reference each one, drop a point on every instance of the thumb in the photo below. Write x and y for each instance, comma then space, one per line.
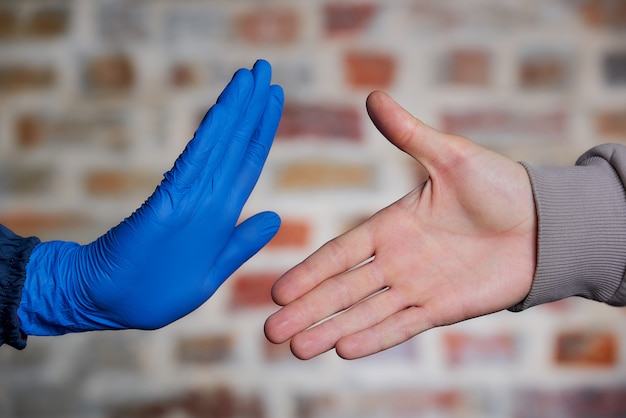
429, 147
247, 239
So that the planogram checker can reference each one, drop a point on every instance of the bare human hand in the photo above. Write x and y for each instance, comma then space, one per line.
461, 245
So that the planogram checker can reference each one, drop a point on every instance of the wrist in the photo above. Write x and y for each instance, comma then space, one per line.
48, 305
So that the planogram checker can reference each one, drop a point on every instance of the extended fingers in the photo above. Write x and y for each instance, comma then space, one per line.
206, 149
395, 329
333, 258
249, 118
262, 139
362, 316
258, 147
329, 297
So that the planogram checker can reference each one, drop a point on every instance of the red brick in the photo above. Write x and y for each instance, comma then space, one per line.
602, 14
572, 403
221, 402
8, 24
28, 223
184, 75
137, 409
320, 121
110, 73
595, 402
504, 123
293, 233
593, 12
417, 403
348, 19
269, 26
312, 175
47, 23
469, 349
543, 72
21, 77
611, 124
113, 182
466, 67
421, 403
205, 348
214, 402
73, 128
586, 348
252, 290
370, 70
108, 183
28, 131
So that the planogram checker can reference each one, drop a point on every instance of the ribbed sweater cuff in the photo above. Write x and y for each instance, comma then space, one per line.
581, 250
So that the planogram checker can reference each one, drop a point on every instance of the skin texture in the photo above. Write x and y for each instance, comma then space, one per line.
461, 245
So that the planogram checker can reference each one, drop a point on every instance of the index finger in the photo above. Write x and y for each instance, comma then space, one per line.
335, 257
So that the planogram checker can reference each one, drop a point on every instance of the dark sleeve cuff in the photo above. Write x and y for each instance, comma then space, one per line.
581, 213
14, 255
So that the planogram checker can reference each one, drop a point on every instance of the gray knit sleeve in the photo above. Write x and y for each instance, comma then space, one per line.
581, 213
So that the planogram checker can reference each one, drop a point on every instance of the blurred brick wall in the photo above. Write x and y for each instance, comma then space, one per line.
97, 98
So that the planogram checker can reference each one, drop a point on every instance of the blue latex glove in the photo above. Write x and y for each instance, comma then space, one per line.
172, 254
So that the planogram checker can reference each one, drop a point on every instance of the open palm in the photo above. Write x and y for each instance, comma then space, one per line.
461, 245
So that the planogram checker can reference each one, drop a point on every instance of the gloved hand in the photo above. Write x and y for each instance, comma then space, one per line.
172, 254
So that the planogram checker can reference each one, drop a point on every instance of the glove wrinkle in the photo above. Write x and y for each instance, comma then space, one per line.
173, 253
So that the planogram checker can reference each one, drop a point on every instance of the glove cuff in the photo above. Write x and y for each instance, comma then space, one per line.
14, 255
